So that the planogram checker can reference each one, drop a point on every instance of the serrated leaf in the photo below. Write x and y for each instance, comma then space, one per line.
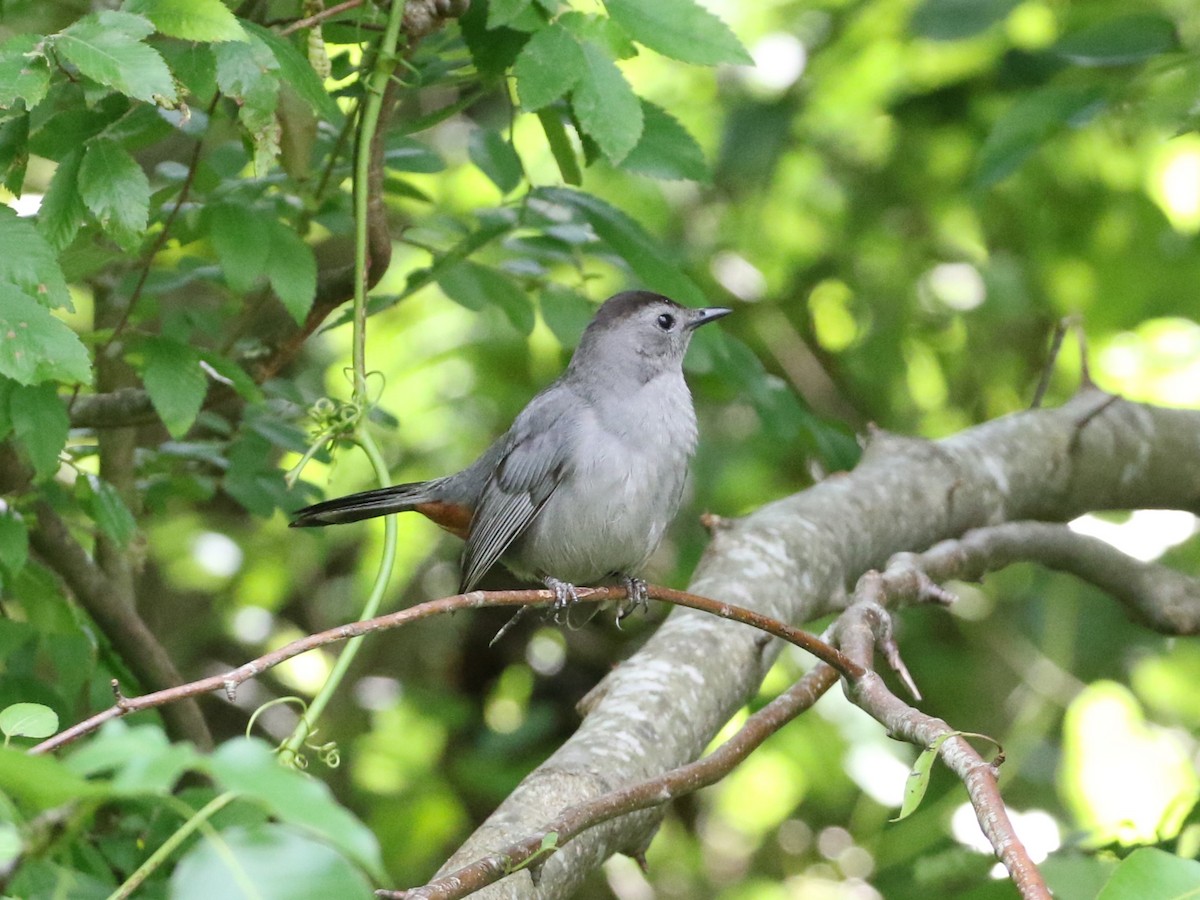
476, 286
14, 152
29, 263
31, 720
632, 243
107, 48
492, 50
63, 209
547, 67
1119, 41
502, 12
496, 158
246, 72
24, 71
14, 541
297, 72
191, 20
680, 29
607, 108
116, 190
104, 504
40, 423
666, 149
292, 271
236, 236
600, 30
34, 345
176, 383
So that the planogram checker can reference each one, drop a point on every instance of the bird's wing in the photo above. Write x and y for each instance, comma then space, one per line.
525, 477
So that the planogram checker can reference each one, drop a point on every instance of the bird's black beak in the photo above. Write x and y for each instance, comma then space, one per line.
704, 316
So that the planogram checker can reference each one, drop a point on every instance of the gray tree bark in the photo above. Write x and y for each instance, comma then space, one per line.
794, 560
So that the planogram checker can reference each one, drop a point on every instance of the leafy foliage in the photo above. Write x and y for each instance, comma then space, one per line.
900, 200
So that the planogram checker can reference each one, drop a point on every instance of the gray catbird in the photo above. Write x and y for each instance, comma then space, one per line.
583, 485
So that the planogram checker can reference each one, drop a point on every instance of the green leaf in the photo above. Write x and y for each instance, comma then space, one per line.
116, 190
666, 149
1152, 873
176, 383
245, 71
1028, 123
107, 48
292, 270
600, 30
1119, 41
14, 152
63, 210
606, 106
34, 345
680, 29
560, 146
493, 50
496, 158
191, 20
625, 237
918, 779
295, 69
250, 767
24, 71
14, 542
565, 312
31, 720
278, 862
236, 235
42, 781
103, 503
547, 67
40, 422
951, 20
476, 286
502, 12
29, 263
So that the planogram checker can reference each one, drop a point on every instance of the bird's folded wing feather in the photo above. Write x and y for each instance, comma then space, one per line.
526, 477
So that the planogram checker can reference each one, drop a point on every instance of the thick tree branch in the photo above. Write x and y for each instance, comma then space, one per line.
793, 559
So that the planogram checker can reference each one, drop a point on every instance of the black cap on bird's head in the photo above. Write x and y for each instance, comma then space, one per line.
641, 331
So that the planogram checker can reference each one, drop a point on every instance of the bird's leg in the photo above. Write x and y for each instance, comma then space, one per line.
564, 592
637, 598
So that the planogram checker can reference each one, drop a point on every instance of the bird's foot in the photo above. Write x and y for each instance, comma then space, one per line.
565, 594
637, 598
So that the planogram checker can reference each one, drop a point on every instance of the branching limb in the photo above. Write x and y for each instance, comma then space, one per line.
471, 600
859, 629
651, 792
1160, 597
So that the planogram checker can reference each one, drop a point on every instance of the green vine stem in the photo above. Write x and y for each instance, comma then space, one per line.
381, 71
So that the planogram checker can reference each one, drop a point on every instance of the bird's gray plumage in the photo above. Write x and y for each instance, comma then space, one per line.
589, 476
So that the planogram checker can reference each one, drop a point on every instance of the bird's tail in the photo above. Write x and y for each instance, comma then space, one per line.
366, 505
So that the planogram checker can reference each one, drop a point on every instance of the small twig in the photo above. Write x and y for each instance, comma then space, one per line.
318, 18
229, 681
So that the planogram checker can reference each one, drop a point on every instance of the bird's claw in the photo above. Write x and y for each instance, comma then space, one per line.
564, 593
637, 597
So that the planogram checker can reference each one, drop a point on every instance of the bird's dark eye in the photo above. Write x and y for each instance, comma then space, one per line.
666, 321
